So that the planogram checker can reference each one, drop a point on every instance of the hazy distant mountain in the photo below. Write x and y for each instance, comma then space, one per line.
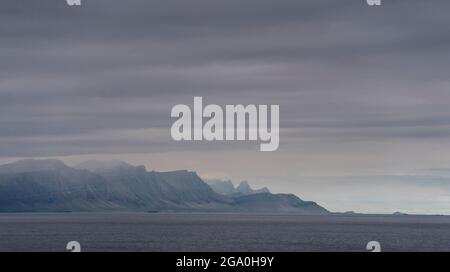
399, 214
223, 187
50, 185
226, 187
245, 189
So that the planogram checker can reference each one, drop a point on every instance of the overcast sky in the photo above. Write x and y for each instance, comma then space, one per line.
364, 92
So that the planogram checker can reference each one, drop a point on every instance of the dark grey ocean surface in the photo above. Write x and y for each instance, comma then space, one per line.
221, 232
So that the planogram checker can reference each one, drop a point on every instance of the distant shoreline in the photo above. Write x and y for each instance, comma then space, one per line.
342, 214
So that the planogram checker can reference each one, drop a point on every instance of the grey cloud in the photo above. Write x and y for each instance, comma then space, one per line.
339, 70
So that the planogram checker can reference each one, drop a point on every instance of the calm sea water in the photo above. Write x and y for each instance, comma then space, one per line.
221, 232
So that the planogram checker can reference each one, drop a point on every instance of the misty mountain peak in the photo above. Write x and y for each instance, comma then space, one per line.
244, 188
103, 166
32, 165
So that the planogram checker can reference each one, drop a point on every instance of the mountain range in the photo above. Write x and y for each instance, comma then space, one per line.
52, 186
